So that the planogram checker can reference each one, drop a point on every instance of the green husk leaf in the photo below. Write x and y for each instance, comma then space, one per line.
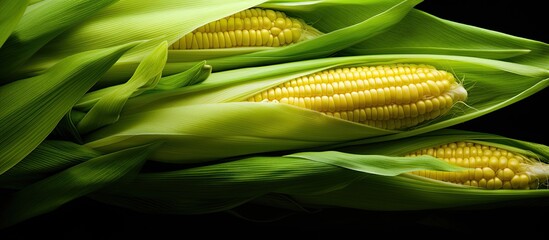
192, 191
377, 193
30, 117
107, 108
342, 24
39, 25
421, 32
324, 179
12, 11
209, 121
206, 132
196, 74
72, 183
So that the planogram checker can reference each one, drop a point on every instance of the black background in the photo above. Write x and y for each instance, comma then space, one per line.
526, 120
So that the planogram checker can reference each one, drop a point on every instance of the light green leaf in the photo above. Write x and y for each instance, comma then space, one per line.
129, 21
108, 107
39, 25
421, 32
377, 164
12, 11
196, 74
206, 132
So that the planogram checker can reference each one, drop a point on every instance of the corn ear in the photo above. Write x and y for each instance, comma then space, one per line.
170, 20
394, 96
362, 177
339, 30
489, 166
481, 153
225, 125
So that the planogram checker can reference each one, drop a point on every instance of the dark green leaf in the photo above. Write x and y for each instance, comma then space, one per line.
32, 107
77, 181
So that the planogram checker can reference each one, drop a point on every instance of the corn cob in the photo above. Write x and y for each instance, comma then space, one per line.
247, 28
386, 96
490, 167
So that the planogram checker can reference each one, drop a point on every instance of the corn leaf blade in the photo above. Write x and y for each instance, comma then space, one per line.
415, 34
12, 11
29, 118
196, 74
40, 25
107, 109
74, 182
49, 157
314, 180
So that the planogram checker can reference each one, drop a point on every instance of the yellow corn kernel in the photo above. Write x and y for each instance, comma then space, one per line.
248, 28
498, 172
393, 96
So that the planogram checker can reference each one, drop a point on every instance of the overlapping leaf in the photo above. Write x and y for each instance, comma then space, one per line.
74, 182
41, 23
32, 107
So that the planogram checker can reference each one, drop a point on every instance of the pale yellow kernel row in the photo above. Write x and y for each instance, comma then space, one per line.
350, 102
238, 38
480, 179
249, 28
383, 113
233, 24
393, 75
358, 92
379, 119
